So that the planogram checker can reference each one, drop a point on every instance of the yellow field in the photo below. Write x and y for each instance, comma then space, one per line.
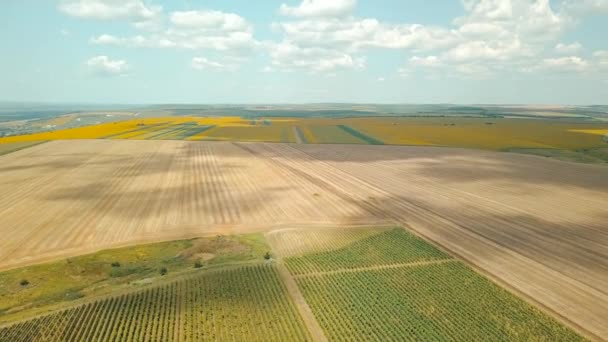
483, 133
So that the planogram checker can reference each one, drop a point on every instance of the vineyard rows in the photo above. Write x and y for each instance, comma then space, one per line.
245, 304
439, 302
391, 247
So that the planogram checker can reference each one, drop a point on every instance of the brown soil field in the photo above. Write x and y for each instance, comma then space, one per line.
535, 225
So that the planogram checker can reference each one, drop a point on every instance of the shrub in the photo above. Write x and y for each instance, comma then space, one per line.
115, 264
163, 271
24, 282
198, 264
267, 256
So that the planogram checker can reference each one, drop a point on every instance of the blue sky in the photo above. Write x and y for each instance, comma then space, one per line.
300, 51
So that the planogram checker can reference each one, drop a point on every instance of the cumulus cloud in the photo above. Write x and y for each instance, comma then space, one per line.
109, 9
564, 64
320, 8
210, 20
568, 49
289, 57
227, 64
582, 7
103, 65
197, 30
355, 34
429, 61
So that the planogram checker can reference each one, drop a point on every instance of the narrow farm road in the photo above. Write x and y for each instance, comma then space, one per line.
309, 318
377, 267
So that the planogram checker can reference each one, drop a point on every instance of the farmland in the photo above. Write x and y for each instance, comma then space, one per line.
533, 225
408, 290
63, 282
545, 137
246, 304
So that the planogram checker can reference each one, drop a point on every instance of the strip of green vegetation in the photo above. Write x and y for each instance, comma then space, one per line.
242, 304
141, 128
390, 247
368, 139
7, 148
28, 290
192, 132
165, 132
439, 302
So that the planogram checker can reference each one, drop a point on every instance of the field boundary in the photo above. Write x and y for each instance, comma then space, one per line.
36, 143
505, 285
357, 134
300, 138
377, 267
296, 296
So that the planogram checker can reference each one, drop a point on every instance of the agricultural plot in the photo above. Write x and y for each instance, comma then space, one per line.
333, 135
550, 135
392, 286
242, 304
12, 147
256, 133
394, 246
299, 241
440, 302
534, 224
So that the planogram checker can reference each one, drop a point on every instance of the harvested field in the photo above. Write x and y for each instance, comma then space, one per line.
536, 225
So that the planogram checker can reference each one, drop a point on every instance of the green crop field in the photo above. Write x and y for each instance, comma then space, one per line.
393, 286
242, 304
329, 134
391, 247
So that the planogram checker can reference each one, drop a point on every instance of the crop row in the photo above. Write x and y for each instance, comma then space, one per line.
391, 247
248, 304
439, 302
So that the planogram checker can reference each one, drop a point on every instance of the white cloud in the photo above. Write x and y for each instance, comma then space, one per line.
288, 57
381, 79
320, 8
109, 9
568, 49
106, 39
564, 64
582, 7
64, 32
601, 58
197, 30
210, 20
354, 34
228, 63
103, 65
429, 61
486, 50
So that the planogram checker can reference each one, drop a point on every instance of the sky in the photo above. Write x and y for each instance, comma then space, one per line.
305, 51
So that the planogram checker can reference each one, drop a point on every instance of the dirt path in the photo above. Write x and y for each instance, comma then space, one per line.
379, 267
299, 136
298, 299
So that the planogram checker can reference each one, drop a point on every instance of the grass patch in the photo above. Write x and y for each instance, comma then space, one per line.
54, 283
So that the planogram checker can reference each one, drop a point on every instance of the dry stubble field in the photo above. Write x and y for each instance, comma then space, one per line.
536, 225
